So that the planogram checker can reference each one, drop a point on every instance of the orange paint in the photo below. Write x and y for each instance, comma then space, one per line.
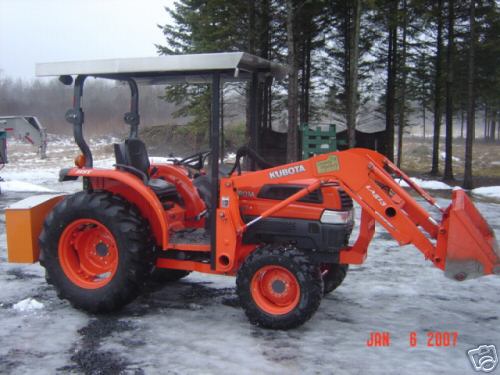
24, 224
461, 234
80, 257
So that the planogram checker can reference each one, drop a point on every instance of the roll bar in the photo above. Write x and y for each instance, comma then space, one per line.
76, 116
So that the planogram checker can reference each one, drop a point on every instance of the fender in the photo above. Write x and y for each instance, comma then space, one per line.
134, 190
184, 185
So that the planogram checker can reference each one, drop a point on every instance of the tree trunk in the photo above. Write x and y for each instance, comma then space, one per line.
270, 107
493, 125
468, 184
307, 81
485, 131
352, 84
390, 96
498, 133
264, 47
292, 144
305, 69
448, 165
437, 92
462, 125
402, 100
301, 55
423, 110
251, 49
252, 39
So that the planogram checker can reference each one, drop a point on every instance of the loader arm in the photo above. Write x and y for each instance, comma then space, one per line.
369, 178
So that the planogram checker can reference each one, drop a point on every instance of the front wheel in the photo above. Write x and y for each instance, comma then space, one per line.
333, 275
97, 251
279, 288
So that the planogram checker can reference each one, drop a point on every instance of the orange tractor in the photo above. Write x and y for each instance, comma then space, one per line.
283, 231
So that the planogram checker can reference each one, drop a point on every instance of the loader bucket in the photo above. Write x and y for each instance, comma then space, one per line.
470, 244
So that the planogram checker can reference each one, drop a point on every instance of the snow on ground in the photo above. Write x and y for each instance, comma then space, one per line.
162, 159
22, 186
28, 304
196, 326
427, 184
442, 155
230, 158
105, 163
487, 191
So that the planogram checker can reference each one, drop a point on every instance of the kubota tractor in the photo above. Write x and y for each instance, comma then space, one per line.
283, 231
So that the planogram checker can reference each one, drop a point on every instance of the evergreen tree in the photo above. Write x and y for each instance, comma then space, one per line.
448, 166
468, 183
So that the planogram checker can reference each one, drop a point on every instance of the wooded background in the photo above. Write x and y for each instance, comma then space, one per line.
439, 56
403, 61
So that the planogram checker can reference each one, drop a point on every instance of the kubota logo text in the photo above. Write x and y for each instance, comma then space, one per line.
287, 171
376, 196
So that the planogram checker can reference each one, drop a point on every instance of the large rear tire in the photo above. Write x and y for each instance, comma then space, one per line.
279, 288
97, 251
333, 275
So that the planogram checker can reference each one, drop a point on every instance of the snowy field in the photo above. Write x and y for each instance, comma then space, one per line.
196, 326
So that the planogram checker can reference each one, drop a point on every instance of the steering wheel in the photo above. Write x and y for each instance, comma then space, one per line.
195, 161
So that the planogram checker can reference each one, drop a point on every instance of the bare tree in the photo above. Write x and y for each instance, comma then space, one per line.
392, 63
448, 165
438, 108
292, 137
352, 82
469, 137
402, 88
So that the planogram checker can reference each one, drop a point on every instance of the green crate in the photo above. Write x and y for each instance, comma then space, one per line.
316, 140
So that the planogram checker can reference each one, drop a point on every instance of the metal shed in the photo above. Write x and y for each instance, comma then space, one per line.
26, 128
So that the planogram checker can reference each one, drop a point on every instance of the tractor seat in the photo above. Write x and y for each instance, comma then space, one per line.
132, 156
203, 185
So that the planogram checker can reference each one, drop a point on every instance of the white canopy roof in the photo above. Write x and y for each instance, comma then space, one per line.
194, 68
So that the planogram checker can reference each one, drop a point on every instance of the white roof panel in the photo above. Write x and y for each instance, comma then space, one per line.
163, 66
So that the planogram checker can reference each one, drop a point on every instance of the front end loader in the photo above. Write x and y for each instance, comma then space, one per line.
283, 231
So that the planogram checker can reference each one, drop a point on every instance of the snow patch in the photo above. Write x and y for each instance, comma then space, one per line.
28, 304
488, 191
230, 158
443, 156
23, 186
427, 184
163, 160
105, 163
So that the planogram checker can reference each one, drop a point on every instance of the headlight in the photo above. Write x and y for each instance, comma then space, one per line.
337, 217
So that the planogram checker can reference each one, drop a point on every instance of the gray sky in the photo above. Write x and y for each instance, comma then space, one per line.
34, 31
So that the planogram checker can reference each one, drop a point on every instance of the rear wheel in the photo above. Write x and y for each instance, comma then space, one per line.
279, 288
333, 275
97, 251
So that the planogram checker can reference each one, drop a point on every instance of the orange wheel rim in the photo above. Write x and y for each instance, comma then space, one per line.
275, 290
88, 253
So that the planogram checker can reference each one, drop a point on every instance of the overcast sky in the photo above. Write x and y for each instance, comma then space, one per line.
34, 31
